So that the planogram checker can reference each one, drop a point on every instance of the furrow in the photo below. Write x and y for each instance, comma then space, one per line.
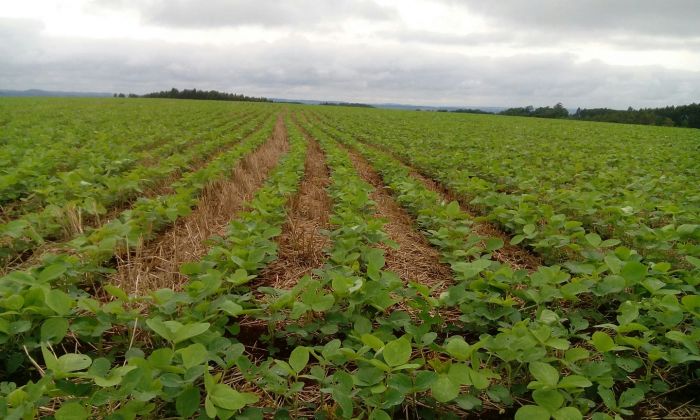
155, 265
414, 259
301, 243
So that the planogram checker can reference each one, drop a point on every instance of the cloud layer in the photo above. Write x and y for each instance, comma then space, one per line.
370, 52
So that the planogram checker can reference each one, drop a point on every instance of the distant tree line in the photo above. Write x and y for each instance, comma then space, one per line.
557, 111
678, 116
673, 116
471, 111
212, 95
353, 104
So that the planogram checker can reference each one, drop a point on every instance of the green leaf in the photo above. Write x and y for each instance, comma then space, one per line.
229, 399
344, 401
397, 352
160, 328
239, 277
231, 308
575, 381
190, 330
631, 397
458, 348
493, 244
375, 262
593, 239
568, 413
193, 355
54, 329
613, 263
299, 358
72, 410
459, 374
468, 402
51, 272
693, 260
444, 390
531, 412
629, 364
73, 362
634, 272
602, 341
479, 380
544, 373
452, 209
115, 291
60, 302
176, 332
607, 396
161, 358
371, 340
549, 399
187, 402
611, 285
471, 269
379, 415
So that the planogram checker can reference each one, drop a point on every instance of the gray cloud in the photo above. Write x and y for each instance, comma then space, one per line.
674, 18
231, 13
296, 68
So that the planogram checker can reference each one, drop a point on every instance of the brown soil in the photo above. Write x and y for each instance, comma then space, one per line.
301, 244
156, 265
414, 260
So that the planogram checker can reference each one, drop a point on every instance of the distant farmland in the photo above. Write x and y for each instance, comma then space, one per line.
199, 259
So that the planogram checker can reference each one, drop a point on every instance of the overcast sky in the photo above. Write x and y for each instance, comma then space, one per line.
441, 52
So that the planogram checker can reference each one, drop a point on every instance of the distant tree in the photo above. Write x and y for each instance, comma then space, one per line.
680, 116
121, 95
471, 111
352, 104
203, 94
558, 111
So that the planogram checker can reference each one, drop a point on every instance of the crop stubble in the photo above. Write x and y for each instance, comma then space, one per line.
301, 243
156, 264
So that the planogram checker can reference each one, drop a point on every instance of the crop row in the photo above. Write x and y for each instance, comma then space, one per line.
546, 181
90, 199
84, 256
37, 162
192, 325
550, 321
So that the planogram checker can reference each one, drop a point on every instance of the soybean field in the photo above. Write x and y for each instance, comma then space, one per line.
202, 259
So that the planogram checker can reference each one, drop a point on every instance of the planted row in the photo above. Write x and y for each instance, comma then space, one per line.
549, 311
552, 182
83, 201
31, 295
188, 330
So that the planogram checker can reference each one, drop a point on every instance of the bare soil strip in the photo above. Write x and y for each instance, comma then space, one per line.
415, 260
301, 244
156, 264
